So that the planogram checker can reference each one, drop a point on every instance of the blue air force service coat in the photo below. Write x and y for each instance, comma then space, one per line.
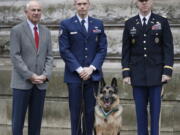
80, 48
147, 54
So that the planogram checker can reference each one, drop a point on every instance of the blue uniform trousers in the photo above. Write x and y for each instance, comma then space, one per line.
33, 99
79, 92
143, 95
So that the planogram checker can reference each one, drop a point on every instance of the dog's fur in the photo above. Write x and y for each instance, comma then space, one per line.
108, 120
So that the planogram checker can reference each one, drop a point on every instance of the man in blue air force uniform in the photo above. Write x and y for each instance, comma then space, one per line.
147, 60
83, 47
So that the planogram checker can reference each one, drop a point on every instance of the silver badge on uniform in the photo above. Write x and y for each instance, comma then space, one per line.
156, 40
133, 31
73, 32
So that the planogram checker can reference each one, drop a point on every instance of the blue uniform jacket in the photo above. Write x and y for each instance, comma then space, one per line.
147, 54
79, 48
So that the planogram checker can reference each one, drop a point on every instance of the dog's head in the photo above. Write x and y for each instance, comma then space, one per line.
108, 96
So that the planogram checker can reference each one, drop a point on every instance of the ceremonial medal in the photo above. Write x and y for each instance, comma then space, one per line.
133, 41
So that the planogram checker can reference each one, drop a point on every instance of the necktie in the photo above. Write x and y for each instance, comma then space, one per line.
83, 26
144, 23
36, 37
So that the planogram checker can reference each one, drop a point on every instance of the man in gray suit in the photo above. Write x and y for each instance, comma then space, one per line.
32, 59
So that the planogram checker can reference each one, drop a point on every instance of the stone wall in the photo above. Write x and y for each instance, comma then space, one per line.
56, 113
113, 13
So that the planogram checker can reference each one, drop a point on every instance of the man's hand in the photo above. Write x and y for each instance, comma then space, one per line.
86, 73
127, 80
37, 79
42, 77
165, 78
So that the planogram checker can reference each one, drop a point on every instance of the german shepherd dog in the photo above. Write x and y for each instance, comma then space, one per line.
108, 120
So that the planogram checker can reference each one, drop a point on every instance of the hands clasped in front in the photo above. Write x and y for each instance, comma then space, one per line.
165, 78
38, 79
85, 74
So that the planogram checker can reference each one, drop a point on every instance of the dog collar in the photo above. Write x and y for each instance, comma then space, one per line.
106, 114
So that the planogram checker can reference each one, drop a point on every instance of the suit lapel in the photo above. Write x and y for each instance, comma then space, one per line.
40, 38
90, 25
151, 22
78, 26
138, 23
29, 34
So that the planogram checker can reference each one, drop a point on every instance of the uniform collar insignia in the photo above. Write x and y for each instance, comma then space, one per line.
137, 22
152, 22
133, 29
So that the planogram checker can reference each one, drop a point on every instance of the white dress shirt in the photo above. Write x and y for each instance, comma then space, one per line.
80, 69
31, 25
86, 21
147, 18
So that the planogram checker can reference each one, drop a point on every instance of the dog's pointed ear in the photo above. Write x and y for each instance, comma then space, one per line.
114, 84
102, 84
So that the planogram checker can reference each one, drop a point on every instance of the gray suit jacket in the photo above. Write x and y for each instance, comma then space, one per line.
26, 59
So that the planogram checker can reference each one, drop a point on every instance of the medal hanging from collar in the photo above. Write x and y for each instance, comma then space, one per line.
106, 114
